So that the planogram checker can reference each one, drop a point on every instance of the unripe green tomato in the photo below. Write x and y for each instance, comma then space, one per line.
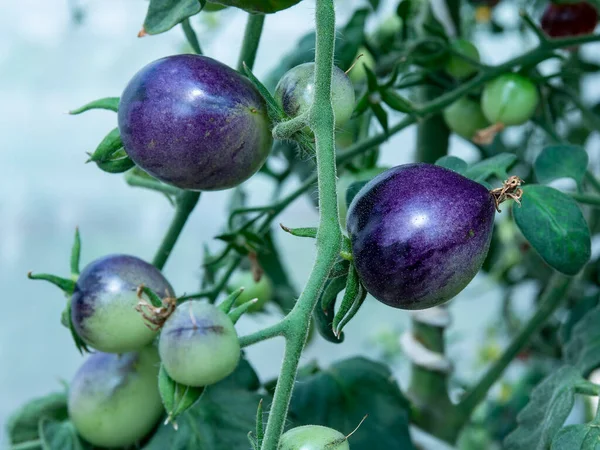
344, 183
510, 99
458, 67
114, 400
263, 290
387, 32
296, 89
313, 437
358, 74
465, 117
198, 344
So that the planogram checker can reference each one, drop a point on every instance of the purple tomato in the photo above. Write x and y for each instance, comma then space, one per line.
195, 123
103, 303
569, 19
419, 234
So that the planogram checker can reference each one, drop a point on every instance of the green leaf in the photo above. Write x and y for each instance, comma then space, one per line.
220, 420
57, 435
583, 348
259, 6
576, 313
342, 395
550, 404
453, 163
176, 397
381, 116
163, 15
561, 161
396, 101
577, 437
109, 103
23, 424
496, 165
554, 225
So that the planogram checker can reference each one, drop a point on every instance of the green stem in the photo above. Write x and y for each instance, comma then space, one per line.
254, 28
593, 181
550, 301
329, 236
185, 205
191, 36
148, 183
592, 200
264, 334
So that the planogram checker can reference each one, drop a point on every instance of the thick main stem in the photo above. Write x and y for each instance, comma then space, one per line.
554, 295
329, 236
185, 205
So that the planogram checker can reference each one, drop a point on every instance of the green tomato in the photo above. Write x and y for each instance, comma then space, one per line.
114, 399
344, 183
313, 437
386, 34
263, 290
358, 74
458, 67
510, 99
295, 92
198, 344
465, 117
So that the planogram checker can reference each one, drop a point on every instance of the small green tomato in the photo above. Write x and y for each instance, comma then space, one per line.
510, 99
263, 290
114, 400
358, 74
198, 344
296, 89
458, 67
465, 117
313, 437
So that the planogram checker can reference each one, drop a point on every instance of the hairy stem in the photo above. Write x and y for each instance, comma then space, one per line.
254, 28
329, 236
191, 37
550, 301
185, 205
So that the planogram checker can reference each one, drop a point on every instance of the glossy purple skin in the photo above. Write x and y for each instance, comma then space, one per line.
419, 234
103, 303
195, 123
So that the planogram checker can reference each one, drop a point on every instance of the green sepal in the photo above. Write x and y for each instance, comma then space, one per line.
362, 295
325, 310
120, 165
340, 268
154, 298
309, 232
108, 146
230, 300
236, 313
260, 432
332, 288
67, 317
76, 253
177, 398
351, 296
64, 284
108, 103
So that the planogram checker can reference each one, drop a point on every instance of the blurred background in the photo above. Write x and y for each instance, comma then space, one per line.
56, 55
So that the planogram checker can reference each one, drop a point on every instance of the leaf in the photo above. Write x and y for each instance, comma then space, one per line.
109, 103
561, 161
221, 419
550, 404
22, 425
284, 294
554, 225
396, 101
496, 165
381, 116
577, 437
453, 163
59, 435
259, 6
576, 313
583, 348
342, 395
176, 397
163, 15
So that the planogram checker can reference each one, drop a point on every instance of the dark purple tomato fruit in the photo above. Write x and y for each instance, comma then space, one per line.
195, 123
419, 234
569, 19
103, 303
114, 400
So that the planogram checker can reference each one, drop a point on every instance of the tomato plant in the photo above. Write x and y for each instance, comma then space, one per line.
175, 372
